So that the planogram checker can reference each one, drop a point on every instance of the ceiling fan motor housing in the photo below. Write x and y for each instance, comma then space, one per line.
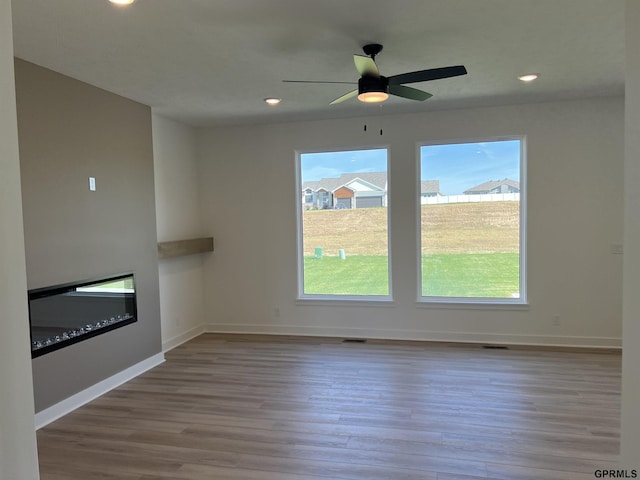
369, 83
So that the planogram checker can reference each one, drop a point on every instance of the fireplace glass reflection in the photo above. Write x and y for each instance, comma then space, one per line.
62, 315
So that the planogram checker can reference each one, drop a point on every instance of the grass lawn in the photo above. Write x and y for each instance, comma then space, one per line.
355, 275
483, 275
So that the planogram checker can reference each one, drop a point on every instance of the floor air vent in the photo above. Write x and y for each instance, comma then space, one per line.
354, 340
496, 347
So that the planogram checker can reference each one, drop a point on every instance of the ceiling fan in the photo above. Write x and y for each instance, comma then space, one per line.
373, 87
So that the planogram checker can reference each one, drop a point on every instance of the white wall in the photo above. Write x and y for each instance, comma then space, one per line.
631, 302
248, 196
18, 457
178, 218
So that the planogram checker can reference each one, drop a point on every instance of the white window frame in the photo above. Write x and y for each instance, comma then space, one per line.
328, 298
522, 300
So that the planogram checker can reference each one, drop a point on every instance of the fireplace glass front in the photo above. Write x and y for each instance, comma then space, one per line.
65, 314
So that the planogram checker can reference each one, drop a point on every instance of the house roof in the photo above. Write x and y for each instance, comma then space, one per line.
310, 186
376, 179
430, 186
491, 184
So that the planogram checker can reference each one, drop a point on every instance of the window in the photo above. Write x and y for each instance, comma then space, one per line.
124, 285
472, 228
343, 238
325, 199
308, 197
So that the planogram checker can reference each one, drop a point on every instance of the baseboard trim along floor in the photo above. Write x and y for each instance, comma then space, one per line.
60, 409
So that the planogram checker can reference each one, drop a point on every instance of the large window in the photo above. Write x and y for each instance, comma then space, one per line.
343, 234
471, 221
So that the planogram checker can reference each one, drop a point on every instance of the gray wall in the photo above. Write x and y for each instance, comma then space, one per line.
68, 131
18, 456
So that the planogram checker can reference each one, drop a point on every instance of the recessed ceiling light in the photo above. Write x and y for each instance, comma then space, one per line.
272, 101
529, 77
122, 2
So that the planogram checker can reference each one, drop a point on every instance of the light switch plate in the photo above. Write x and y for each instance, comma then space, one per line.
617, 248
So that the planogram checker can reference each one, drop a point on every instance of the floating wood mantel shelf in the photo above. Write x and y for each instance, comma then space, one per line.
180, 248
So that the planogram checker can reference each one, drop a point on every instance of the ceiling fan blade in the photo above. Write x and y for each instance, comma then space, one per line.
344, 97
426, 75
317, 81
408, 92
366, 66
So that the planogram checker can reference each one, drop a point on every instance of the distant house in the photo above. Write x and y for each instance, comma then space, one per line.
430, 188
349, 190
309, 193
495, 186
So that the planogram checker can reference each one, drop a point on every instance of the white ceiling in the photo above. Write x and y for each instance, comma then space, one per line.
212, 62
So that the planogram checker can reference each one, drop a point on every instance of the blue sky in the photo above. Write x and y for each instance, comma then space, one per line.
331, 164
457, 166
465, 165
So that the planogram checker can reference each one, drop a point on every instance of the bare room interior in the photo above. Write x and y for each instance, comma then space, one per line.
308, 240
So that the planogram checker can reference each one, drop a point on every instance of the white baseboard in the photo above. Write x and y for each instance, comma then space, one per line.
182, 338
60, 409
421, 335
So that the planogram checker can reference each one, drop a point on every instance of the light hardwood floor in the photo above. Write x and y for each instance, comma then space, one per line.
291, 408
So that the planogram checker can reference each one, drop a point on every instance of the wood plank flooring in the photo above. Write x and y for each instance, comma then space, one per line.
241, 407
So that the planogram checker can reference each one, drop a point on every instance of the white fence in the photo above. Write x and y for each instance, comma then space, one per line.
489, 197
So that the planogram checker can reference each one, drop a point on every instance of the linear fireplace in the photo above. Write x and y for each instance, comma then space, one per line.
61, 315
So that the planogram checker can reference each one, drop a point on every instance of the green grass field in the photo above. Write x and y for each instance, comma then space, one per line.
356, 275
468, 250
481, 275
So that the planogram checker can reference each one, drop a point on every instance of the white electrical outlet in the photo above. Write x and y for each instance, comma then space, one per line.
555, 320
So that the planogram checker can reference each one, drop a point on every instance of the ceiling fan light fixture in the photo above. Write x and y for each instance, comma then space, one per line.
122, 2
373, 97
372, 89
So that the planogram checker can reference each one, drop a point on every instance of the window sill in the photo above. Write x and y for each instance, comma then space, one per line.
458, 304
331, 301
